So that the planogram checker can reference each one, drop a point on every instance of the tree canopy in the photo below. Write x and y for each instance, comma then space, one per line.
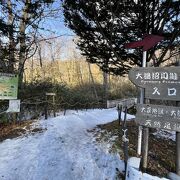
104, 26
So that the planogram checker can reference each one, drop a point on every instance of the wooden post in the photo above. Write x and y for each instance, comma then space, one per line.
145, 143
46, 109
53, 103
14, 116
178, 153
54, 109
119, 113
145, 148
178, 143
148, 42
125, 139
145, 130
141, 102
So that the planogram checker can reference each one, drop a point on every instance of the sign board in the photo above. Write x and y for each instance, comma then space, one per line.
8, 86
14, 106
159, 83
158, 116
147, 43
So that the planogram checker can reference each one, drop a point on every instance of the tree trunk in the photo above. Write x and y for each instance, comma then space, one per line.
22, 40
105, 88
68, 73
11, 58
32, 69
92, 81
78, 72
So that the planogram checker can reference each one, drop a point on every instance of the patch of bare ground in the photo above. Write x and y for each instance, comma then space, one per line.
161, 158
14, 130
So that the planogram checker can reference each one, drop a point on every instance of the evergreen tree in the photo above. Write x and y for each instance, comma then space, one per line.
104, 26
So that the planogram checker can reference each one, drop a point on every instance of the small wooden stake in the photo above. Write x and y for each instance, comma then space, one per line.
119, 113
45, 111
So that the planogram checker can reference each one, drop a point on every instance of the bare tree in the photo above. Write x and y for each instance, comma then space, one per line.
23, 19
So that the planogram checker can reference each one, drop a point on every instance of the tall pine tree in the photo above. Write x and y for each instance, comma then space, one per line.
104, 26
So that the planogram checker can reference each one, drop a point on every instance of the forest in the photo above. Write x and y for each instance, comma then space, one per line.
61, 64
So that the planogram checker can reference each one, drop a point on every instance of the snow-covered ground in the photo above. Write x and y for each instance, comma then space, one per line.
65, 151
165, 134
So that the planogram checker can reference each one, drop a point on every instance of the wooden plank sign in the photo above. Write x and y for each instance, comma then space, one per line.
158, 116
159, 83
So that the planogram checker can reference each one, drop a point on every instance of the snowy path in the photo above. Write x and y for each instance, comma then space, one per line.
65, 151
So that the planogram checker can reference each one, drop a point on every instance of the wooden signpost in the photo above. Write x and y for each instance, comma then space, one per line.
158, 116
148, 41
162, 83
127, 103
159, 83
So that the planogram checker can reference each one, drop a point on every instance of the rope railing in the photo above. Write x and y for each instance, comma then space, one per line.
38, 107
46, 107
60, 104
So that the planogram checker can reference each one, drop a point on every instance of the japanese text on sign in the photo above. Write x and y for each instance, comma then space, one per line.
160, 112
157, 116
168, 125
159, 83
157, 76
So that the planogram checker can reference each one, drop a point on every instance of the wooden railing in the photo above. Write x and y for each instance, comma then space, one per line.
122, 102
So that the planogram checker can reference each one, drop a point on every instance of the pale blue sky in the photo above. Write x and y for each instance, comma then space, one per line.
56, 24
57, 28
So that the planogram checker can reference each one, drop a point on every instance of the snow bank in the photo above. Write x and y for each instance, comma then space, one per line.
132, 172
160, 133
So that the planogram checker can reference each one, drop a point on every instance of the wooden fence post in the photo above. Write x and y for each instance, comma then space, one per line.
54, 109
46, 109
53, 103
